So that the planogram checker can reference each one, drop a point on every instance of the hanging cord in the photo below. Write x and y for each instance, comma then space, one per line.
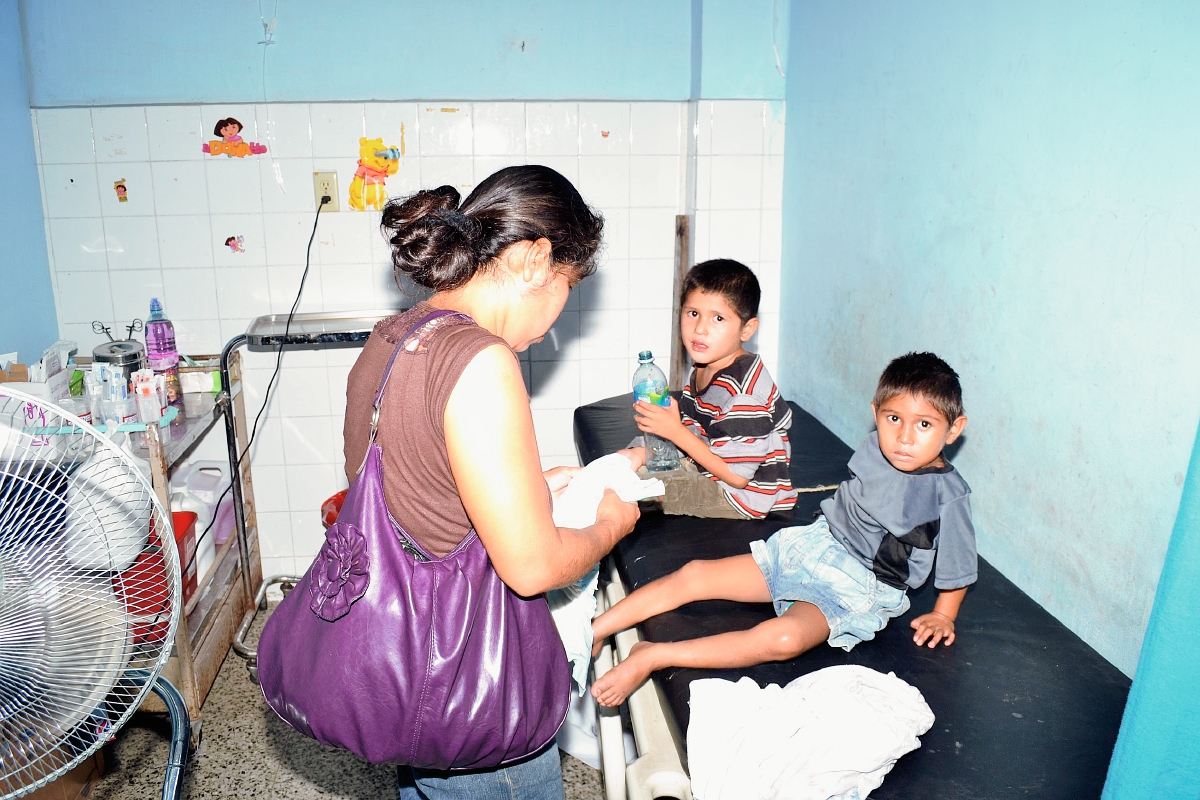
287, 328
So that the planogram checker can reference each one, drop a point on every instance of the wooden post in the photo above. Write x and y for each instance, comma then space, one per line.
683, 262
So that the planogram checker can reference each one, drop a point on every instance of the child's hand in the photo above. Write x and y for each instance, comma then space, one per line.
662, 421
636, 456
933, 627
557, 479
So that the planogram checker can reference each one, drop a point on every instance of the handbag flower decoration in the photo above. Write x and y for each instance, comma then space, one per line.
339, 573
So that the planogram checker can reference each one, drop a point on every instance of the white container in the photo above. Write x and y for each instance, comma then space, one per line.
108, 516
198, 487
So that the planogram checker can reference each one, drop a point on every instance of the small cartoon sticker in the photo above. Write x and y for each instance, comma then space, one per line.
231, 143
234, 243
122, 192
603, 134
375, 164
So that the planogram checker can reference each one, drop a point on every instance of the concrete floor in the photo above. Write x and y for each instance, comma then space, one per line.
248, 752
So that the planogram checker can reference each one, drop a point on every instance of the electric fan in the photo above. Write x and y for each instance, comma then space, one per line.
89, 595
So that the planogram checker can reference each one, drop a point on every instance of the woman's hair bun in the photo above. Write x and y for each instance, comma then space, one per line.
432, 241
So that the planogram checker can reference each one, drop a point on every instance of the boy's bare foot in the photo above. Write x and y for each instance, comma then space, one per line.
611, 688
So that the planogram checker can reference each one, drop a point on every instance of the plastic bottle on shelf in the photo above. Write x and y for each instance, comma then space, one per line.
650, 384
161, 355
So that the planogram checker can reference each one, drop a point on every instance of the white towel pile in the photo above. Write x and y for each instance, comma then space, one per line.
834, 733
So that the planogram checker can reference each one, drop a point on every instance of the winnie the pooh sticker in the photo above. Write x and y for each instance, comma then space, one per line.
375, 164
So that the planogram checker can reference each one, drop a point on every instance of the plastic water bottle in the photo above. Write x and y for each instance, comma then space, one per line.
161, 355
650, 384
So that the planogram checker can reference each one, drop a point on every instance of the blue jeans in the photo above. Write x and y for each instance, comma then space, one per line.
539, 778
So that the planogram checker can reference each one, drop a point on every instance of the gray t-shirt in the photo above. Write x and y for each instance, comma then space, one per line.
896, 522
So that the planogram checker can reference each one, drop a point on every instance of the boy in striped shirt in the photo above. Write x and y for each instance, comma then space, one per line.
731, 423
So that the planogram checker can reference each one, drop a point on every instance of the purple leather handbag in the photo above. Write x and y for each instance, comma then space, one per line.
401, 657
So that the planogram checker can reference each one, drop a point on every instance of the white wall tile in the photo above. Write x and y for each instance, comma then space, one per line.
604, 334
284, 128
446, 129
654, 181
83, 297
652, 233
78, 244
736, 182
191, 294
120, 133
551, 129
738, 127
343, 239
336, 129
700, 236
176, 133
652, 283
247, 226
772, 236
132, 291
274, 532
772, 194
407, 179
456, 171
270, 487
303, 392
70, 190
616, 234
139, 189
555, 384
179, 188
267, 449
233, 185
296, 191
608, 288
65, 135
561, 343
199, 336
286, 236
310, 440
484, 166
132, 243
704, 115
397, 124
308, 535
650, 329
604, 129
604, 180
499, 129
242, 292
657, 128
735, 234
309, 485
553, 428
285, 283
347, 287
185, 242
604, 377
703, 182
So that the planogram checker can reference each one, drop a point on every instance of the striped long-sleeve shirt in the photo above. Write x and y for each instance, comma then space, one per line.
744, 420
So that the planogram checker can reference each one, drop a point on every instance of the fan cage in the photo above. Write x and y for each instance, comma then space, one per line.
90, 594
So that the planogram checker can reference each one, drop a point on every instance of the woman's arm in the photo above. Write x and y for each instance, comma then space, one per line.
494, 459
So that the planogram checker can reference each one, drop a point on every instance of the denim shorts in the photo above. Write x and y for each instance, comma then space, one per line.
808, 564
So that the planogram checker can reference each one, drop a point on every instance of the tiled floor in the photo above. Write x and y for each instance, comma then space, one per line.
248, 752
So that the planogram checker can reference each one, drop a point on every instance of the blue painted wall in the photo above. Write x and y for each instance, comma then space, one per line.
1155, 756
28, 323
143, 51
1013, 186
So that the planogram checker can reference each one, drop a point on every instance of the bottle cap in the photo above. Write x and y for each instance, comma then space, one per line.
156, 311
645, 355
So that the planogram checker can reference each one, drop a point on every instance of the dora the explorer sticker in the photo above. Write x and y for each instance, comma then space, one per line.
231, 143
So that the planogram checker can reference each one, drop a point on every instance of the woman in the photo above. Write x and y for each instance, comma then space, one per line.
459, 451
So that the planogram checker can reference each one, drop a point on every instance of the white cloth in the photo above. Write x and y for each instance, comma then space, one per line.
574, 606
834, 733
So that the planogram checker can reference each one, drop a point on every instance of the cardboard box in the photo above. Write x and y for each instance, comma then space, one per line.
56, 387
76, 784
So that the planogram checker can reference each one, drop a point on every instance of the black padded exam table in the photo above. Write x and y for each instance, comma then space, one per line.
1024, 707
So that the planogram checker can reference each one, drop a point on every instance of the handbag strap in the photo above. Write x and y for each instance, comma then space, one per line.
425, 320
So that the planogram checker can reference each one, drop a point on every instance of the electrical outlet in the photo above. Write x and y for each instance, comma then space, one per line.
325, 183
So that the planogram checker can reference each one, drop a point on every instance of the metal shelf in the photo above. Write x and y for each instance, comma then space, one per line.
313, 330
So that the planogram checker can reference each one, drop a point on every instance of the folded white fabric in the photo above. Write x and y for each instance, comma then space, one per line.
574, 606
834, 733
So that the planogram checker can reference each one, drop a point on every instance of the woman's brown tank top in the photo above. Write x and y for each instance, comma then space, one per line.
418, 484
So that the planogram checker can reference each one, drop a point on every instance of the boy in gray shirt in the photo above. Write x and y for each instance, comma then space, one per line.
904, 513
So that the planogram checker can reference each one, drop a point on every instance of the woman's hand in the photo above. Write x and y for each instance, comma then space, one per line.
616, 514
557, 479
636, 456
663, 421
